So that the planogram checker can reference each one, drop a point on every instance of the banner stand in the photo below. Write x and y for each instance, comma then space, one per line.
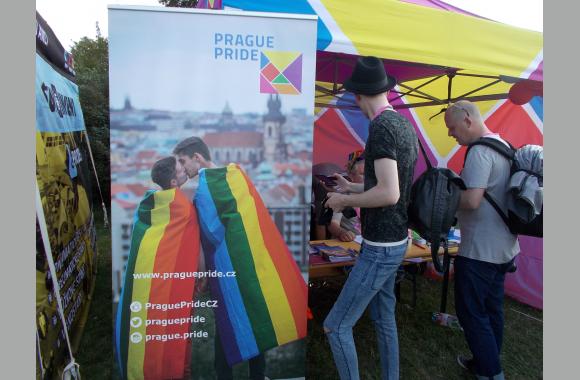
105, 217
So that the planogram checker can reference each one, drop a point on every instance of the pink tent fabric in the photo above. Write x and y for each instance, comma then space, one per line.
440, 5
527, 283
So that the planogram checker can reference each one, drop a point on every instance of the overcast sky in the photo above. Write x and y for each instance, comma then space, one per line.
73, 19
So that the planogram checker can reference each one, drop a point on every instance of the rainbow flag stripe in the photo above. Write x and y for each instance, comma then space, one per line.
264, 305
165, 241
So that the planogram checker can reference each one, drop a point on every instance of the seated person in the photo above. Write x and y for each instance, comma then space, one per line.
346, 227
319, 191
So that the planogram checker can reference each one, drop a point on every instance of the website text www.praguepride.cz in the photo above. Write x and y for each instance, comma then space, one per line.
182, 275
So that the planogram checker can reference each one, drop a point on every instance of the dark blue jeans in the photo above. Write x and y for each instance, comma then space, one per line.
479, 304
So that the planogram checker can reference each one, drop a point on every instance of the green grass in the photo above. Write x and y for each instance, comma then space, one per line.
427, 351
95, 352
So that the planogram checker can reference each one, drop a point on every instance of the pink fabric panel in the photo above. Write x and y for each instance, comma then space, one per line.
527, 283
327, 71
441, 5
538, 74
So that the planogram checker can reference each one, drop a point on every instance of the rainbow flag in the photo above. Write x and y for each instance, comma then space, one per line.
209, 4
262, 296
156, 307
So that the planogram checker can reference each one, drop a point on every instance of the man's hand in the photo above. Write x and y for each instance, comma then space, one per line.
342, 184
346, 236
328, 189
336, 201
340, 233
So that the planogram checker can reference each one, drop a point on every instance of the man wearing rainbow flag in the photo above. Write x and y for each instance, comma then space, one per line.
390, 157
193, 154
164, 243
259, 296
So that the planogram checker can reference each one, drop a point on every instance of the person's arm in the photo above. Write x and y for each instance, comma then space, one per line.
385, 193
337, 231
345, 186
475, 175
319, 232
471, 199
356, 187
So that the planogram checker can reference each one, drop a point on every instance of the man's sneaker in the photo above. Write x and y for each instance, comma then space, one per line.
465, 363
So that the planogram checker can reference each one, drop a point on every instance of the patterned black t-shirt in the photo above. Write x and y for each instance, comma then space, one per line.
390, 136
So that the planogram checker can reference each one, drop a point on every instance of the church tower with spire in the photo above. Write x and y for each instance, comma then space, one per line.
127, 106
227, 120
274, 146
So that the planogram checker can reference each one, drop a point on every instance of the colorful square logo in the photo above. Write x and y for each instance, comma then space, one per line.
281, 72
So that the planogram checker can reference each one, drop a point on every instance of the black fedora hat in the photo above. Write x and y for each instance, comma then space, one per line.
369, 77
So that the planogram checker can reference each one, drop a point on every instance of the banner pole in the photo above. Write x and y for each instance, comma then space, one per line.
106, 219
40, 363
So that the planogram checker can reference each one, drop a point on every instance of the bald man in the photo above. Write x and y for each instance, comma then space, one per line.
487, 247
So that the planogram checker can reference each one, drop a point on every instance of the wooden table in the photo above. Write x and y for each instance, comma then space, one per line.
319, 268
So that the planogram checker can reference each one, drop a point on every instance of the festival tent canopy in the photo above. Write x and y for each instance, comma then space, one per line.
409, 32
439, 54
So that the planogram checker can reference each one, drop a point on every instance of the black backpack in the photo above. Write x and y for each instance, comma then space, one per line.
434, 201
516, 225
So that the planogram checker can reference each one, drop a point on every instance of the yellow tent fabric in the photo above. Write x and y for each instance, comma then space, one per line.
407, 32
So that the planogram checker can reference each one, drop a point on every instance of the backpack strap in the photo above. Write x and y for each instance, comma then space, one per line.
503, 216
437, 225
508, 153
429, 166
496, 145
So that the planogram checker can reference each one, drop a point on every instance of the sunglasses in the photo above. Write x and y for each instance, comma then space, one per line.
446, 108
461, 108
356, 155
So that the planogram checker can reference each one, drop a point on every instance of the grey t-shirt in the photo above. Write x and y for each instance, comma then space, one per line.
484, 235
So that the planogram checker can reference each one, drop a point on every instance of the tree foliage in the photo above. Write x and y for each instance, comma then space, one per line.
91, 57
179, 3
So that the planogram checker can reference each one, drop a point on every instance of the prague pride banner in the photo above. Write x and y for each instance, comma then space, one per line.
156, 309
65, 238
243, 84
265, 304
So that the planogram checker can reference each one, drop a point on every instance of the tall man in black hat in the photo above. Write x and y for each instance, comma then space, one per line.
391, 154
